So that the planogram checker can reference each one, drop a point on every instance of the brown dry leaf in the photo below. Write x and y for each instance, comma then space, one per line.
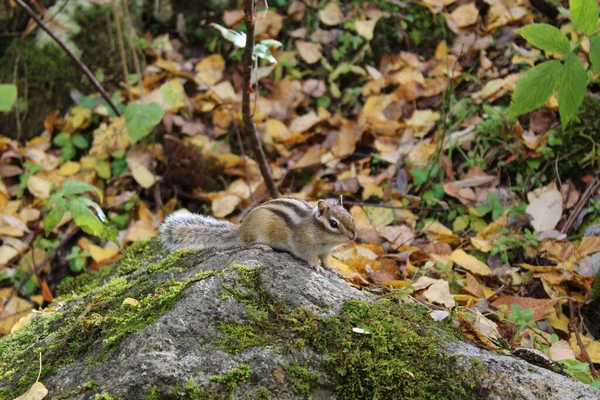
470, 263
545, 207
332, 14
561, 351
434, 230
543, 307
37, 391
422, 122
308, 51
438, 291
39, 187
224, 204
311, 157
464, 15
12, 311
268, 24
345, 142
366, 28
209, 71
474, 287
401, 235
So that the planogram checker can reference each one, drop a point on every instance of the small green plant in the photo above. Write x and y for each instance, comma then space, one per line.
70, 198
77, 259
69, 144
521, 317
580, 371
30, 170
566, 77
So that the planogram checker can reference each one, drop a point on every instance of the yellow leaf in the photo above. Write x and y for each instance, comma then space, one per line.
224, 205
143, 176
470, 263
39, 187
37, 391
210, 70
277, 130
304, 122
100, 254
366, 28
69, 168
131, 302
331, 14
7, 253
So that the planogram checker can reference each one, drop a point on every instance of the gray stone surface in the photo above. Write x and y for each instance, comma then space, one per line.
181, 343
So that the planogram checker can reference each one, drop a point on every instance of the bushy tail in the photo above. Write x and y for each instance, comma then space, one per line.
198, 231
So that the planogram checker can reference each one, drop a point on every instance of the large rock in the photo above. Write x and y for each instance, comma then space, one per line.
252, 324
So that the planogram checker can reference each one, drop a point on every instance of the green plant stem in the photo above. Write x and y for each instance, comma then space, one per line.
249, 126
73, 57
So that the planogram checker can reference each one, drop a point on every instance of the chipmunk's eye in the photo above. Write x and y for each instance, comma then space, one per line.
333, 223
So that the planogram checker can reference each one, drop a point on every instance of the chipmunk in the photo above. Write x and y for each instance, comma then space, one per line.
288, 224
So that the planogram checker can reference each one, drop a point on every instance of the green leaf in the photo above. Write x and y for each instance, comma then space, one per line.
62, 139
80, 141
96, 207
72, 187
68, 151
535, 87
55, 215
595, 53
546, 37
8, 96
140, 119
420, 176
85, 218
572, 88
103, 169
584, 14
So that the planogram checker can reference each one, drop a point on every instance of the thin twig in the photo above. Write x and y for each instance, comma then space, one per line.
136, 60
592, 188
575, 328
76, 60
121, 43
249, 126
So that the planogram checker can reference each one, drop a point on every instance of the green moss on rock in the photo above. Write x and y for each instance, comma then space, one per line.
95, 326
399, 355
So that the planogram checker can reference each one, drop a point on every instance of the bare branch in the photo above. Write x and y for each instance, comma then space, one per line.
76, 60
249, 126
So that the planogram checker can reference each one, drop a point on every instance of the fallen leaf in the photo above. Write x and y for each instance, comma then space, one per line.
309, 52
39, 187
210, 70
37, 391
545, 207
332, 14
224, 205
470, 263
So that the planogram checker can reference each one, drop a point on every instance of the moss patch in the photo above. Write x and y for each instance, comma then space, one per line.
399, 356
94, 327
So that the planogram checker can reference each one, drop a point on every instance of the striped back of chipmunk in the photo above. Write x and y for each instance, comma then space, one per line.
291, 210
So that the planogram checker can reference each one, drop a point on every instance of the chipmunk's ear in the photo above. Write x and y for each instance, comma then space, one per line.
341, 202
322, 206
